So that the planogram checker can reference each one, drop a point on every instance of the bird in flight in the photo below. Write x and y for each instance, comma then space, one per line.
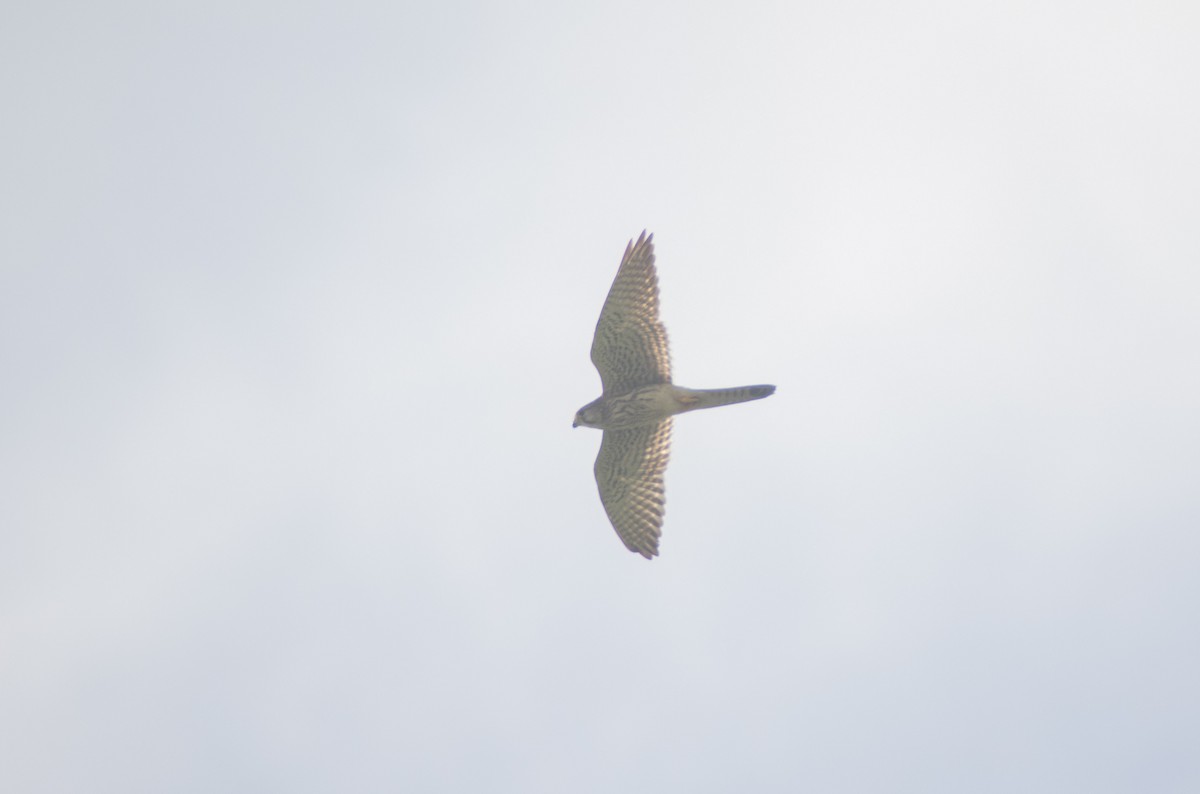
638, 401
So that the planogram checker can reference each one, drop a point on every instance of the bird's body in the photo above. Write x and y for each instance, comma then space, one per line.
631, 354
651, 404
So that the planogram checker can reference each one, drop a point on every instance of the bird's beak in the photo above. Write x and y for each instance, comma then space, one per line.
575, 424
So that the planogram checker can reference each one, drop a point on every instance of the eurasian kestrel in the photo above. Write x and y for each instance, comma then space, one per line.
635, 410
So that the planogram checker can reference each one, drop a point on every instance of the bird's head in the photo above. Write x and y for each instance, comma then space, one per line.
590, 415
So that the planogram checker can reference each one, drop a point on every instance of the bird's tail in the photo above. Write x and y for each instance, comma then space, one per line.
695, 399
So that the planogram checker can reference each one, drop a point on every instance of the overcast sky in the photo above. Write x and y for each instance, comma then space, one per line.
295, 308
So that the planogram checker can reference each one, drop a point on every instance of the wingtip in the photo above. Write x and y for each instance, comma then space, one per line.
649, 552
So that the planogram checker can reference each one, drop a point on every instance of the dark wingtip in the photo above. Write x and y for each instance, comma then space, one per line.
649, 552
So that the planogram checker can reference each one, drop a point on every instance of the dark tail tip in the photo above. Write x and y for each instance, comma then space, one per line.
762, 391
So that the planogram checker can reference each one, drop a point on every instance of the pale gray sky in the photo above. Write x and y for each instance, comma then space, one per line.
295, 307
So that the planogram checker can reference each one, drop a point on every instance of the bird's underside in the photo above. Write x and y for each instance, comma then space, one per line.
630, 352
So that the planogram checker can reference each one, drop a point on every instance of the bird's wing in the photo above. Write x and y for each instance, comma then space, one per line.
629, 474
630, 346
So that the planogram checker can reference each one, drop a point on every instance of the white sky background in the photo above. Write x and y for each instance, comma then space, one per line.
295, 309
